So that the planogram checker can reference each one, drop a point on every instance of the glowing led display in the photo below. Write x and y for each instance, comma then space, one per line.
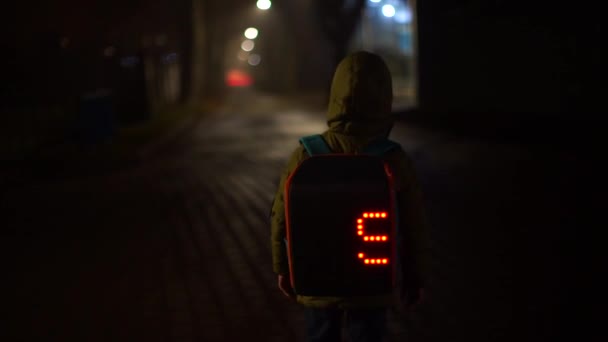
377, 238
376, 261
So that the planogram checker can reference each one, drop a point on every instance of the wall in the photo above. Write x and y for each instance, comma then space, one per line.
508, 58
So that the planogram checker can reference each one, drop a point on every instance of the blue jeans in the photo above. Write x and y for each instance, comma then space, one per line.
360, 325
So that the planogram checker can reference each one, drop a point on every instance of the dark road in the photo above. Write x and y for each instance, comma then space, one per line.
175, 247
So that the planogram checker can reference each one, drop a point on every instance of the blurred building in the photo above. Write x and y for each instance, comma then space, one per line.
387, 27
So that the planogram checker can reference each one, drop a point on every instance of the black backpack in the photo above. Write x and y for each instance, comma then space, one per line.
341, 221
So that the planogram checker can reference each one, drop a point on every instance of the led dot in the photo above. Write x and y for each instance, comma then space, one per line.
365, 215
360, 232
377, 214
384, 261
367, 261
360, 255
373, 261
366, 238
383, 215
384, 238
378, 238
373, 238
360, 221
360, 226
378, 261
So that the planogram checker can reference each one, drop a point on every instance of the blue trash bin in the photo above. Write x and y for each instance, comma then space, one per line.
96, 117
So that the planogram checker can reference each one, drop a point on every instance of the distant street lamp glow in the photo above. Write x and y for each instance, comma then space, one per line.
375, 1
247, 45
251, 33
238, 78
388, 11
404, 16
254, 59
264, 4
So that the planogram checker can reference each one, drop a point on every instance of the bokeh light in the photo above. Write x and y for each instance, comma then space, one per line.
251, 33
264, 4
254, 59
238, 78
247, 45
404, 16
388, 11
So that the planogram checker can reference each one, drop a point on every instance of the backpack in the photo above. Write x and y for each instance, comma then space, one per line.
341, 221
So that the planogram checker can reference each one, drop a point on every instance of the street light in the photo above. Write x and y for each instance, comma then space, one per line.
251, 33
247, 45
264, 4
404, 16
388, 11
254, 59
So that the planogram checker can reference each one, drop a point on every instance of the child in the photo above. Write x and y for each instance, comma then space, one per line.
360, 112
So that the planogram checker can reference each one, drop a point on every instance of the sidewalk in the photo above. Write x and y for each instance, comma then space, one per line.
177, 249
250, 102
129, 146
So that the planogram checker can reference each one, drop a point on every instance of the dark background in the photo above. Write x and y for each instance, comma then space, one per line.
496, 63
521, 74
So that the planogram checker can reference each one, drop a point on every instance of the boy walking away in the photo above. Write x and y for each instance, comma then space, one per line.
348, 231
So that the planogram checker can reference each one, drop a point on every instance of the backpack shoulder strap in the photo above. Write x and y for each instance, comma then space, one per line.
380, 147
315, 144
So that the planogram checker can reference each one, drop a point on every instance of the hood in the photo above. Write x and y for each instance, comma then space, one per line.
361, 96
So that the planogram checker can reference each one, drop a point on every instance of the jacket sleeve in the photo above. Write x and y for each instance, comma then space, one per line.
280, 263
414, 231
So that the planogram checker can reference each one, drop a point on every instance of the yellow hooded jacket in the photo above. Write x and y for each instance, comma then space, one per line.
360, 112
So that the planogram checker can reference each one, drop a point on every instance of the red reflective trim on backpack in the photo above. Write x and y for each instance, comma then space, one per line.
393, 218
